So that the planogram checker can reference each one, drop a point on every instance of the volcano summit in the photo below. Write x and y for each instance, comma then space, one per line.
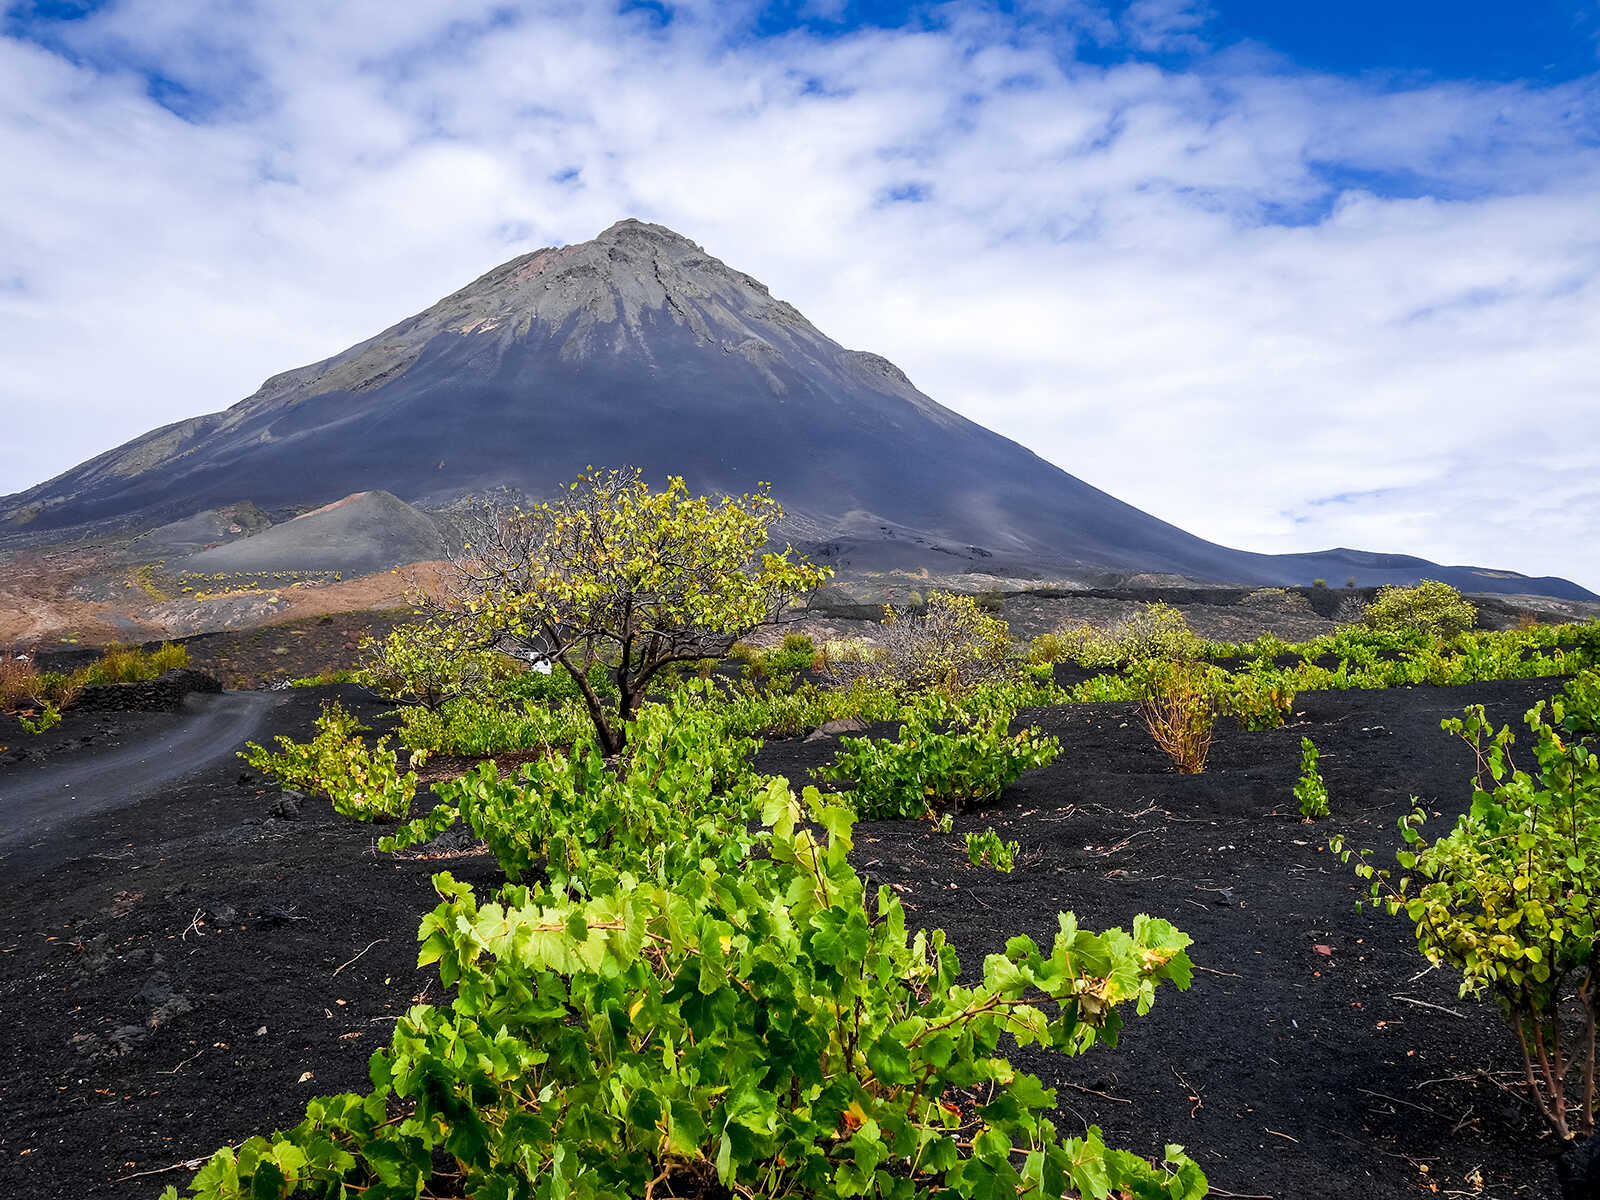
639, 348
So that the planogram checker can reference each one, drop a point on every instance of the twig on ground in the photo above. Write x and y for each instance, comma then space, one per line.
183, 1064
1284, 1136
1091, 1092
1194, 1093
188, 1164
1435, 1007
1213, 970
1515, 1092
1395, 1100
367, 947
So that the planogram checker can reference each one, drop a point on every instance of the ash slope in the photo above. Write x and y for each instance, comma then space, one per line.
640, 348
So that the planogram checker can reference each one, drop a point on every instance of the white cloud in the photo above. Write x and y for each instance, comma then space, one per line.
1285, 311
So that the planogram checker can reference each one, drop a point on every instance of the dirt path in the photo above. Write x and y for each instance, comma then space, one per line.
34, 801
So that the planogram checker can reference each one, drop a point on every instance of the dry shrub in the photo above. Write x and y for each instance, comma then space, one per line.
953, 647
19, 684
1179, 705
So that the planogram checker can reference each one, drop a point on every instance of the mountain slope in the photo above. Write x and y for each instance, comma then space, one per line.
639, 348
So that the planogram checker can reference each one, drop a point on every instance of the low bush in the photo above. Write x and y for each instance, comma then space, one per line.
987, 850
1309, 791
797, 653
953, 647
681, 793
772, 1031
48, 718
927, 769
330, 676
1157, 631
23, 686
1260, 698
1509, 896
429, 663
361, 783
1178, 702
473, 725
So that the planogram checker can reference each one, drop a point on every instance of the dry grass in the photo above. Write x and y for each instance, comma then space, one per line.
23, 686
130, 664
20, 684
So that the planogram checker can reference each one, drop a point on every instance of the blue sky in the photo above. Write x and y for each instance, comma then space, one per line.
1291, 276
1545, 40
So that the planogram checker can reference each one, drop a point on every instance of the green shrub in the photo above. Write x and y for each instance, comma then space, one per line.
49, 718
987, 850
797, 653
1157, 631
773, 1031
1432, 608
473, 725
1260, 698
1309, 790
361, 783
332, 676
1509, 896
681, 792
429, 663
927, 769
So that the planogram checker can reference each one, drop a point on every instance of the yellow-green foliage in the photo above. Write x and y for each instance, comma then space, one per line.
361, 783
1508, 896
426, 663
144, 578
616, 572
130, 664
1431, 607
1158, 631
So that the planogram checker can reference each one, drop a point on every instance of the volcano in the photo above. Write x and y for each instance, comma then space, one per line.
638, 348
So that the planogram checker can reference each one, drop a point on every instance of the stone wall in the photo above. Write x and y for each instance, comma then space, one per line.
166, 692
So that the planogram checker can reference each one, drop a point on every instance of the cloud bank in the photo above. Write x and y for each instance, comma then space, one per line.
1284, 310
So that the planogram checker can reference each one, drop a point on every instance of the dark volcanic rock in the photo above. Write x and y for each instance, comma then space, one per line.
639, 348
164, 693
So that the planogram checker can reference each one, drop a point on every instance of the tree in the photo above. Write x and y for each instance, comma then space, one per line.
1432, 608
614, 573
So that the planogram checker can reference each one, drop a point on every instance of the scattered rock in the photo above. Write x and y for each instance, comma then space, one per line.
287, 806
1578, 1169
830, 729
163, 1002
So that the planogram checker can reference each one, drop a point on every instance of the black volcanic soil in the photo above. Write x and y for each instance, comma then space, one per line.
169, 986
